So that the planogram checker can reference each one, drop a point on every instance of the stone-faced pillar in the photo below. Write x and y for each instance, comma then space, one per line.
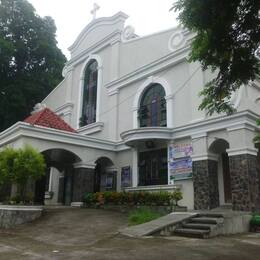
244, 170
205, 174
205, 183
83, 181
245, 182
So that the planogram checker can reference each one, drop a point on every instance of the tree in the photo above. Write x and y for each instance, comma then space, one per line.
20, 166
28, 165
30, 61
7, 157
227, 35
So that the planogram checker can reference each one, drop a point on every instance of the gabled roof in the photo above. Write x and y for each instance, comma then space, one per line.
48, 118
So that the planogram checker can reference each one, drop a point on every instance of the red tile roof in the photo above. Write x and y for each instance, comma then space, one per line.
49, 119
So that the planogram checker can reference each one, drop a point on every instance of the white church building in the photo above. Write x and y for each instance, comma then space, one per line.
130, 104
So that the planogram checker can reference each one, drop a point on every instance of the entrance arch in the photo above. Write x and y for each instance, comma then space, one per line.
105, 175
56, 186
219, 147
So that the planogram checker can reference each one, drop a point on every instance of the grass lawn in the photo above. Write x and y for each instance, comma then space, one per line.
142, 215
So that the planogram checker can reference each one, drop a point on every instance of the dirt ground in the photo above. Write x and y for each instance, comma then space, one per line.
93, 234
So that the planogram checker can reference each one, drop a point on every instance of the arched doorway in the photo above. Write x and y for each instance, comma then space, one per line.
105, 175
219, 148
56, 186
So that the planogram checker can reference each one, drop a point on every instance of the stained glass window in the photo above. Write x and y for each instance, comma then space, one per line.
89, 104
152, 111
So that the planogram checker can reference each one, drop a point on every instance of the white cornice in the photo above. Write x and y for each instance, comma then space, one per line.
120, 16
242, 150
84, 165
148, 69
203, 157
91, 129
64, 108
132, 136
95, 48
21, 129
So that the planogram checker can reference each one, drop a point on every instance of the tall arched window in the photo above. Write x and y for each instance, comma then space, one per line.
152, 110
89, 102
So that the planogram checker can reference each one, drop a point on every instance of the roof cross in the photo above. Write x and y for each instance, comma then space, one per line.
94, 10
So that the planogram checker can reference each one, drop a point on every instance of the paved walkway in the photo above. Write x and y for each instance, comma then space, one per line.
93, 234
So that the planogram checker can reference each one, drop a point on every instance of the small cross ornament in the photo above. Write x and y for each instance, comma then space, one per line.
94, 11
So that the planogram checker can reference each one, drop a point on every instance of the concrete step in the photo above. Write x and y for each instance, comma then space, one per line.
199, 226
207, 220
210, 215
189, 232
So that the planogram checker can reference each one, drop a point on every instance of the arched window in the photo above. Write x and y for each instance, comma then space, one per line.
152, 110
89, 102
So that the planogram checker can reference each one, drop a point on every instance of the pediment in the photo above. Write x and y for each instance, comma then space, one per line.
96, 31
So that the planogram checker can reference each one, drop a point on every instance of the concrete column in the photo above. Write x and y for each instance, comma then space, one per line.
169, 111
135, 168
83, 181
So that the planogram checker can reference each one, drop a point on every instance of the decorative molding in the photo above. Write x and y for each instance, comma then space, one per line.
128, 33
242, 150
95, 48
203, 157
132, 137
240, 127
176, 41
120, 16
148, 70
91, 128
66, 108
113, 92
84, 165
199, 135
22, 129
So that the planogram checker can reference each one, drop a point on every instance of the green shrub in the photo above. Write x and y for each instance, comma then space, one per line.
141, 216
255, 221
89, 198
162, 198
18, 166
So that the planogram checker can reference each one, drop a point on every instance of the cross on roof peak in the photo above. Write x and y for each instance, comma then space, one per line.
94, 10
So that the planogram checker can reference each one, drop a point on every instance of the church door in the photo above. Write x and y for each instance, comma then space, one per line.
153, 168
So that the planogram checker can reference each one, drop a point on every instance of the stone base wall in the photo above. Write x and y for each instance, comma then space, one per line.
10, 216
245, 182
83, 181
205, 182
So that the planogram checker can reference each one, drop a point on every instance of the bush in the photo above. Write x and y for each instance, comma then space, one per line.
18, 166
141, 216
162, 198
255, 223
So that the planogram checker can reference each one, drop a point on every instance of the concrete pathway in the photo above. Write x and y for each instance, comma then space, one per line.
90, 234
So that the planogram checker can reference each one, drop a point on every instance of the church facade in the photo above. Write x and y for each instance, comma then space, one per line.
132, 105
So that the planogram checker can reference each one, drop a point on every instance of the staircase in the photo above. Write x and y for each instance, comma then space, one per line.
203, 225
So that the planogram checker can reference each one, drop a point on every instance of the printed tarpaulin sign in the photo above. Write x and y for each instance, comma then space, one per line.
182, 165
180, 150
126, 180
180, 162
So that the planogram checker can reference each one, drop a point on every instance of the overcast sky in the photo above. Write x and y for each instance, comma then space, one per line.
71, 16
